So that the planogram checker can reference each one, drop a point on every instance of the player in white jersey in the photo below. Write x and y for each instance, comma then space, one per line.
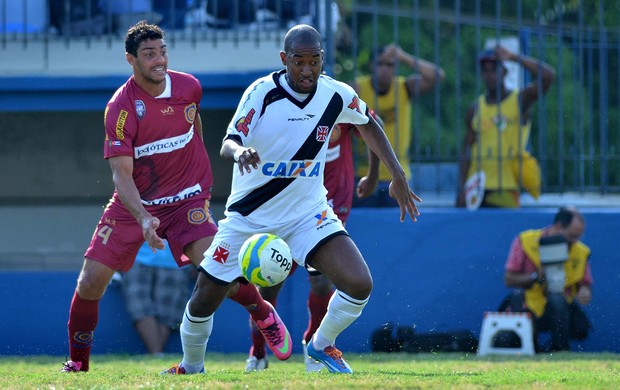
279, 138
294, 151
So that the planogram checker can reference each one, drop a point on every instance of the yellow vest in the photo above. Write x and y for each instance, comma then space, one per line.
574, 268
396, 123
500, 138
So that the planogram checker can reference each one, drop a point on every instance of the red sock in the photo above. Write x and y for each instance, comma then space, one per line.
83, 318
249, 297
317, 308
258, 347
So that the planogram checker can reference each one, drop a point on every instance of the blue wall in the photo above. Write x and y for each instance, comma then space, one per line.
91, 93
440, 273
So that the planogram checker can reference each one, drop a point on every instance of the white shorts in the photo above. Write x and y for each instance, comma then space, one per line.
303, 236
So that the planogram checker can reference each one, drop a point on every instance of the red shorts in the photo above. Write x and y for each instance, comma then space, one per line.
341, 202
118, 235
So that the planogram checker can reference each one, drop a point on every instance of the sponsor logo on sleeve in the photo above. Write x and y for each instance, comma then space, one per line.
355, 104
120, 124
243, 123
190, 113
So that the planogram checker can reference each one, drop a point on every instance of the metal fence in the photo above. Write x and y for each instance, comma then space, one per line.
575, 126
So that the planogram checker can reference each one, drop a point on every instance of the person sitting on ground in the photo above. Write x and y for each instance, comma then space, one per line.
557, 312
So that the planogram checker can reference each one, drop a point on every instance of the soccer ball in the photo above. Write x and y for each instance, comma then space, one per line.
265, 260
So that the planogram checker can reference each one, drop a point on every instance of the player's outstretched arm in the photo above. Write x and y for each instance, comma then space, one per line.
244, 157
377, 141
122, 175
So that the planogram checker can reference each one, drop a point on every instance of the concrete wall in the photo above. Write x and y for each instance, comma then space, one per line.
440, 273
58, 156
52, 134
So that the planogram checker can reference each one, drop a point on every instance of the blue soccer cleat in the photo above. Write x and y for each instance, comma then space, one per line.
331, 357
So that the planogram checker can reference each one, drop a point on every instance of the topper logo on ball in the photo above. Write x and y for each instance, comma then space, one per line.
283, 261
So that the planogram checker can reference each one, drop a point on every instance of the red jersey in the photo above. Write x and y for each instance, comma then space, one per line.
159, 133
339, 172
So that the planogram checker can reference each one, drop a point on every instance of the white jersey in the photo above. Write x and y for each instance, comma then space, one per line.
291, 138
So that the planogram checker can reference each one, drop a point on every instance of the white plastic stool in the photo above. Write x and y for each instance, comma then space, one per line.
493, 322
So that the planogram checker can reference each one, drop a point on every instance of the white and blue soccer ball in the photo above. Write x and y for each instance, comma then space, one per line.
265, 260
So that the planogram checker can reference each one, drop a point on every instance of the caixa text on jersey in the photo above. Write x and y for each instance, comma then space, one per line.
306, 168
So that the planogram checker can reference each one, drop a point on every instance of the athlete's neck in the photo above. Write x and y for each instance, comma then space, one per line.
299, 96
153, 88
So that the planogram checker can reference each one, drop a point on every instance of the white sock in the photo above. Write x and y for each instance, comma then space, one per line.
341, 312
195, 332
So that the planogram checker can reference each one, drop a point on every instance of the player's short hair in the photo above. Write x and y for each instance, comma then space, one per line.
140, 32
301, 34
565, 216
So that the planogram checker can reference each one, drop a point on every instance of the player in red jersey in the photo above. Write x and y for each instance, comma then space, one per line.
163, 179
339, 181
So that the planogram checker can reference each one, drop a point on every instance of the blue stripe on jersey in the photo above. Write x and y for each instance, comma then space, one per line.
308, 151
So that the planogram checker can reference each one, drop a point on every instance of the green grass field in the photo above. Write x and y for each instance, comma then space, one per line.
371, 371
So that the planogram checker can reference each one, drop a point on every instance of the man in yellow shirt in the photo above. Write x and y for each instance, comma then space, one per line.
390, 96
554, 308
494, 158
